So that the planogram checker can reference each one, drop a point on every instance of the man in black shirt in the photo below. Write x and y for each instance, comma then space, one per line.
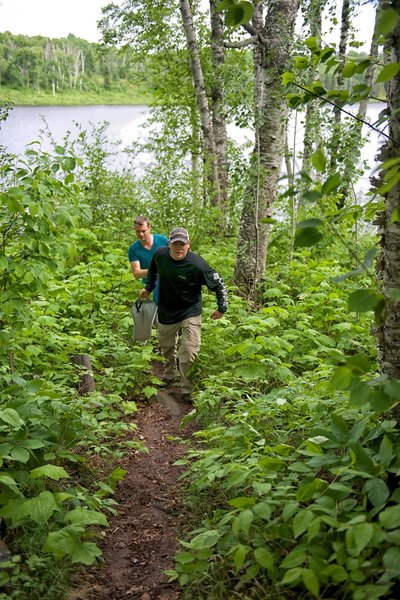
181, 274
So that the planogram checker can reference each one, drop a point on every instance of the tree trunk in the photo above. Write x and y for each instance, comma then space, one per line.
218, 101
312, 125
344, 34
87, 383
273, 50
390, 335
210, 162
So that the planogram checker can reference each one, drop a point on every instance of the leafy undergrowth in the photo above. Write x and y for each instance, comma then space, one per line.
64, 293
298, 461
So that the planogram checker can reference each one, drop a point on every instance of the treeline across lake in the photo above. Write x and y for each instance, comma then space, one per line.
72, 70
57, 66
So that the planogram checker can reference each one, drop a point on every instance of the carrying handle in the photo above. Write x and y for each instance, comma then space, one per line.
138, 304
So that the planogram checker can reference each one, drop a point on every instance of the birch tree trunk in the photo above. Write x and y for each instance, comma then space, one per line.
210, 162
218, 101
390, 335
272, 49
344, 34
312, 125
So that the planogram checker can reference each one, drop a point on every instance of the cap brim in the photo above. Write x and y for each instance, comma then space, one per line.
178, 239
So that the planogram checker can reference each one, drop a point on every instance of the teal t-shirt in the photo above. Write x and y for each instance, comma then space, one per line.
137, 252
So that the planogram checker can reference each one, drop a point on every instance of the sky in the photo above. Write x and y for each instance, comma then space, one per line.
58, 18
52, 18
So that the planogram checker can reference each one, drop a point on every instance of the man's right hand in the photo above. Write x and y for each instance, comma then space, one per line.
144, 294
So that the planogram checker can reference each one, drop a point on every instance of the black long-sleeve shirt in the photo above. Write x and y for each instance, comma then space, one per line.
180, 285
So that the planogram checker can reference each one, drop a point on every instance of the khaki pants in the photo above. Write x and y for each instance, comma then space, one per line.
180, 344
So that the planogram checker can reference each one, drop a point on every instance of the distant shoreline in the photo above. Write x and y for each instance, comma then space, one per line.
109, 97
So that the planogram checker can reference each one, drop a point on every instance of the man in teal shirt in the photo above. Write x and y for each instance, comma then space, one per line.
141, 252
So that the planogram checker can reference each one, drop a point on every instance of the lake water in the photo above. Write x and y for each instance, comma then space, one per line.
127, 127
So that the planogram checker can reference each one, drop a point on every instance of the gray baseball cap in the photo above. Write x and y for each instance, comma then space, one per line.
178, 234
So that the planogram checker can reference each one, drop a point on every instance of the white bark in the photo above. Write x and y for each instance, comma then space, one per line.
273, 49
202, 101
390, 338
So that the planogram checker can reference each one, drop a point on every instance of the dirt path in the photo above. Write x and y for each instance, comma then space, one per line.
141, 540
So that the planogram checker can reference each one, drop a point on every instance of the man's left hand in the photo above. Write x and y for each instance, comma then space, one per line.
217, 315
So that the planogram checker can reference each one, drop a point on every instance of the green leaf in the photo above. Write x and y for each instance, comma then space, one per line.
385, 454
287, 77
69, 178
290, 507
184, 557
388, 72
301, 522
296, 557
10, 483
224, 4
301, 62
358, 364
309, 223
390, 517
349, 69
40, 508
262, 510
206, 539
248, 11
377, 491
391, 561
312, 196
386, 21
361, 458
238, 14
83, 517
85, 553
292, 576
339, 428
51, 471
358, 537
306, 237
20, 454
311, 43
244, 520
70, 163
362, 66
307, 490
130, 407
311, 582
369, 257
318, 160
314, 529
363, 300
242, 502
341, 379
60, 543
360, 393
264, 558
331, 184
10, 416
240, 556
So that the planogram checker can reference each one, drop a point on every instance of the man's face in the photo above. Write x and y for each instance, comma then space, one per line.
142, 232
179, 250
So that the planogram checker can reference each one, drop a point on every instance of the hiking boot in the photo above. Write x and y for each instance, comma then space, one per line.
186, 397
169, 381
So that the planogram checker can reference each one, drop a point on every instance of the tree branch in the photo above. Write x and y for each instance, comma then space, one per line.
241, 44
396, 143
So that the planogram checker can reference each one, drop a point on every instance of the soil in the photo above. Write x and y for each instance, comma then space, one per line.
141, 540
